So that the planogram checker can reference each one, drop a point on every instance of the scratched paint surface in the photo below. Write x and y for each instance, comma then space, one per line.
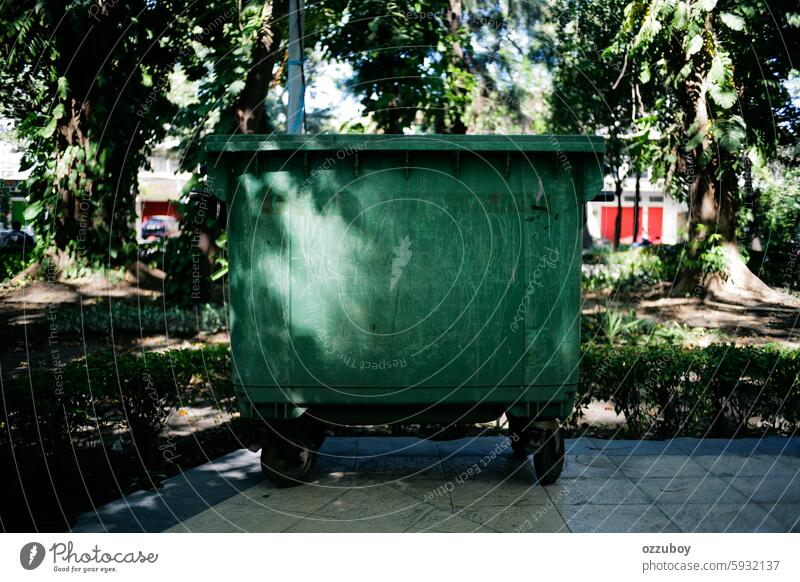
385, 270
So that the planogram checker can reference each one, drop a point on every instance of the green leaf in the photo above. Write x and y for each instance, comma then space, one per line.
33, 210
709, 5
694, 45
716, 73
698, 134
725, 98
732, 21
679, 18
219, 274
26, 163
644, 74
48, 129
730, 134
62, 87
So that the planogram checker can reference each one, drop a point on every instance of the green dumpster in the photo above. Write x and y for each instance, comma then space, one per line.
404, 279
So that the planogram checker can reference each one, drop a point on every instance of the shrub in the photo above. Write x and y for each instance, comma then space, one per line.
11, 263
720, 390
629, 270
51, 411
127, 317
776, 221
663, 390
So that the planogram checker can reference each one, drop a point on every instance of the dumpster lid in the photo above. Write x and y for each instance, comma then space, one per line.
388, 142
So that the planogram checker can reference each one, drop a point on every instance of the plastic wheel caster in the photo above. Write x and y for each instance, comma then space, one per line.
288, 460
519, 436
548, 457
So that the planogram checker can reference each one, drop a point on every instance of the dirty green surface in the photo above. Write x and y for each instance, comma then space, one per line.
373, 277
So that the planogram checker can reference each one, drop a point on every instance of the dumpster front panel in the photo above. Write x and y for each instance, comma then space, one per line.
391, 288
380, 280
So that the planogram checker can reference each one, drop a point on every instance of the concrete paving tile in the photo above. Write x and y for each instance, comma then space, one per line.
627, 518
752, 466
329, 464
642, 466
334, 475
435, 492
474, 446
720, 518
395, 522
586, 446
497, 493
586, 466
367, 502
400, 490
440, 521
744, 446
693, 490
625, 447
218, 480
300, 500
230, 517
768, 489
517, 519
143, 511
718, 447
91, 523
400, 467
476, 468
398, 446
600, 490
786, 515
381, 509
774, 445
790, 465
346, 447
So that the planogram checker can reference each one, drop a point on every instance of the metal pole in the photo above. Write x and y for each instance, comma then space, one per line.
295, 121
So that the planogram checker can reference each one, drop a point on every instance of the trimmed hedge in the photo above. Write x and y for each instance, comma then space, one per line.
663, 391
134, 318
717, 391
53, 411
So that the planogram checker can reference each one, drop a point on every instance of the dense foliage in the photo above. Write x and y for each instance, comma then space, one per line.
87, 83
775, 216
84, 402
717, 391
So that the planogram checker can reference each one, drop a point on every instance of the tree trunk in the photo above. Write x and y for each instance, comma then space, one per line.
713, 206
713, 200
458, 58
618, 219
395, 125
637, 199
248, 110
587, 238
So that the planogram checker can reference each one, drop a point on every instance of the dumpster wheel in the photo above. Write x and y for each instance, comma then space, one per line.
548, 458
288, 461
543, 440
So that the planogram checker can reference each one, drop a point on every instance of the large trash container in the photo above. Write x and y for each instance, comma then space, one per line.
404, 279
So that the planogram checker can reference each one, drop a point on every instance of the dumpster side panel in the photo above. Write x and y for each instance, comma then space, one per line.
552, 278
259, 282
393, 287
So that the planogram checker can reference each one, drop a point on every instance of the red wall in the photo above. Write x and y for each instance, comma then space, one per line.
154, 208
608, 217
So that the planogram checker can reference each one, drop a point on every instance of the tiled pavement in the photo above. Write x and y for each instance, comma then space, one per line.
397, 484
